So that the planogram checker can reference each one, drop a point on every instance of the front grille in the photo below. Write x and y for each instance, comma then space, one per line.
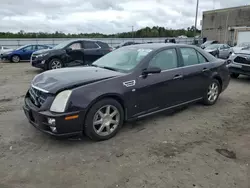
242, 60
37, 97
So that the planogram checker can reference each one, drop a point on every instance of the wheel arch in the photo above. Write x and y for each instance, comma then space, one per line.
114, 96
218, 78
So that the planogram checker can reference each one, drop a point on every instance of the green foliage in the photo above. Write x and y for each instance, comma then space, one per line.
141, 33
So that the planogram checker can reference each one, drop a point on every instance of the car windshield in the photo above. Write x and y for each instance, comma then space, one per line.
213, 46
123, 59
244, 44
21, 47
62, 45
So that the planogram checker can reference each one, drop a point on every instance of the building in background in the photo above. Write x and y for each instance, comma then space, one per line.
230, 25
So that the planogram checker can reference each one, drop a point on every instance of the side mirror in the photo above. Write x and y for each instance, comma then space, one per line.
68, 50
151, 70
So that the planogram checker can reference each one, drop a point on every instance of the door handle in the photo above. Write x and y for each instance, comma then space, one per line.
204, 70
177, 77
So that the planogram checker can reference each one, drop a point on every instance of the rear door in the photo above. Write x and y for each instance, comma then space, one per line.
92, 51
76, 54
196, 73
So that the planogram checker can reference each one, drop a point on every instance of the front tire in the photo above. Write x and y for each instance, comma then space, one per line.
234, 75
55, 63
15, 59
212, 93
104, 119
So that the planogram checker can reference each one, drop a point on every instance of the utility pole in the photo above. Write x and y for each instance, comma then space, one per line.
196, 15
132, 32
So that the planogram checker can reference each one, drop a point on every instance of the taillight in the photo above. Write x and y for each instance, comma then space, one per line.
110, 49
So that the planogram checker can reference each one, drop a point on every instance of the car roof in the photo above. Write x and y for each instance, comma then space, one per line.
156, 46
90, 40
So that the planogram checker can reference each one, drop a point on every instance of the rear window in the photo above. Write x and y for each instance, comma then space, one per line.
103, 44
90, 45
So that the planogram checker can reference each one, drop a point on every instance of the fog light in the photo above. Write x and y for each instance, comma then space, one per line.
53, 129
43, 62
52, 122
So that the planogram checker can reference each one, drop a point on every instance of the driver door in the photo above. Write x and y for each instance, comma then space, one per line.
160, 90
27, 52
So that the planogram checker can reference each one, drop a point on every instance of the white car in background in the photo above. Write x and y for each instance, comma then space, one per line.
240, 46
4, 50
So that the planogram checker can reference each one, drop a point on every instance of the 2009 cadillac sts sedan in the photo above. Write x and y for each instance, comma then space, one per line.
126, 84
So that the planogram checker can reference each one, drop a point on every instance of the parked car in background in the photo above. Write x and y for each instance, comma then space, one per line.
126, 44
129, 83
23, 53
4, 49
70, 53
240, 46
219, 50
207, 43
239, 63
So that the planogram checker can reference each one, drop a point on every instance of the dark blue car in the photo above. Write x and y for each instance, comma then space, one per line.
23, 53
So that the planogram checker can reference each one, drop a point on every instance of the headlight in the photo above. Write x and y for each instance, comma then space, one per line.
42, 55
60, 102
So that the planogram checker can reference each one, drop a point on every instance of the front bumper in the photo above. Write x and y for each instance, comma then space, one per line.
38, 63
5, 57
39, 119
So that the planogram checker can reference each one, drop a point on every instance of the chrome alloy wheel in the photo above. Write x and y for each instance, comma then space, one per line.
106, 120
56, 65
213, 92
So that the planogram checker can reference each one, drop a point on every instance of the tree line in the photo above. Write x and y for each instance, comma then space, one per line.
141, 33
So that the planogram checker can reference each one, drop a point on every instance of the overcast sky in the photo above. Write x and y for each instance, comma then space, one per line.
104, 16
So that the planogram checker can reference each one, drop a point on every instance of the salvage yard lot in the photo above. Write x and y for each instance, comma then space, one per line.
168, 150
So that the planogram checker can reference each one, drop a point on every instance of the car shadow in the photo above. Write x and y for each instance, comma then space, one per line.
128, 128
242, 79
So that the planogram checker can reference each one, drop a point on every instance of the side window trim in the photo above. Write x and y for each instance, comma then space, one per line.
98, 46
177, 58
202, 56
183, 64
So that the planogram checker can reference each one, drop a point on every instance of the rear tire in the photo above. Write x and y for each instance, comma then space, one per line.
212, 93
234, 75
15, 59
55, 63
101, 123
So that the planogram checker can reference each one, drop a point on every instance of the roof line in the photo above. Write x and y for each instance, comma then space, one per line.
225, 9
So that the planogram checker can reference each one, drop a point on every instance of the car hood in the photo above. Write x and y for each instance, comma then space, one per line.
236, 49
54, 81
210, 50
42, 51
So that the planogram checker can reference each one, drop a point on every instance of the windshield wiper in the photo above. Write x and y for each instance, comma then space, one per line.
104, 67
109, 68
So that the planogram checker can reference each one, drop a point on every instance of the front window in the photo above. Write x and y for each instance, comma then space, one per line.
123, 59
62, 45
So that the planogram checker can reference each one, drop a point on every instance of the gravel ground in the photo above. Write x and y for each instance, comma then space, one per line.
169, 150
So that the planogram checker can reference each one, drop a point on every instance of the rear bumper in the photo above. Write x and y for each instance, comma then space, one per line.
239, 69
64, 128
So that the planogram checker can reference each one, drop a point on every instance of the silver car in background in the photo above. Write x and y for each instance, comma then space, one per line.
4, 49
222, 51
240, 46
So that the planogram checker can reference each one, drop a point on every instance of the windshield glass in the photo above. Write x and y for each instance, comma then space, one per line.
21, 47
213, 46
123, 59
244, 44
62, 45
